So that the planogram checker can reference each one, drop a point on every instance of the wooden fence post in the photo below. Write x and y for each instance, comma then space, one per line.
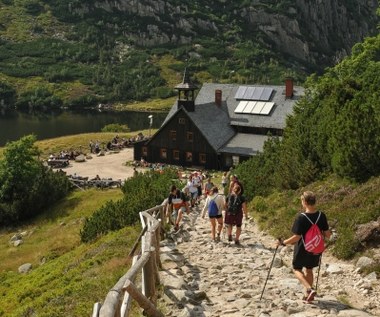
157, 244
126, 304
148, 275
144, 303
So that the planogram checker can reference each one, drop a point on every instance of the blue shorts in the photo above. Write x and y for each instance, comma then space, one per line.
194, 195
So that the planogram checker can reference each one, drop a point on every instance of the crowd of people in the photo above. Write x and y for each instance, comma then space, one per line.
231, 204
228, 210
117, 143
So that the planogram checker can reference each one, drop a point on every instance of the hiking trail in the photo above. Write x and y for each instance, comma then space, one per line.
201, 277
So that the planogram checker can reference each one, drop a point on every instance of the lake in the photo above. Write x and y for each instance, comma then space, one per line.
15, 124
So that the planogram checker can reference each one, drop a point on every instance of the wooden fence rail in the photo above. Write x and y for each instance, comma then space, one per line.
118, 299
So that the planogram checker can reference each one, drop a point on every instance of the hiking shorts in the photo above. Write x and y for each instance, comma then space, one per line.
234, 220
308, 261
194, 195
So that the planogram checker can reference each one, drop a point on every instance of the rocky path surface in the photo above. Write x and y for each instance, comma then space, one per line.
204, 278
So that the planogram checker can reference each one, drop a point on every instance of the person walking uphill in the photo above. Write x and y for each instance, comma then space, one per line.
177, 205
235, 208
303, 259
214, 204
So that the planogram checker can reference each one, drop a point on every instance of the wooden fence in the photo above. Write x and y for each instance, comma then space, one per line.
118, 299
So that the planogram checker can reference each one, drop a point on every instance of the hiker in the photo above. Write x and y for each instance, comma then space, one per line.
198, 183
187, 197
303, 259
235, 207
215, 205
224, 180
234, 180
207, 187
177, 205
193, 190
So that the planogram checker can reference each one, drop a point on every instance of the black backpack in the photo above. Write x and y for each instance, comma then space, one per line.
234, 204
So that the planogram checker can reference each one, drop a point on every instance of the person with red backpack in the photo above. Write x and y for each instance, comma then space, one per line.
310, 228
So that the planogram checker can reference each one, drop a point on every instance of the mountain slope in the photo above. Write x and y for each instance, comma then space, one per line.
83, 51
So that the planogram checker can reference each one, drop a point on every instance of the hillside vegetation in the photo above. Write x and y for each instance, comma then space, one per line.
67, 277
331, 145
78, 53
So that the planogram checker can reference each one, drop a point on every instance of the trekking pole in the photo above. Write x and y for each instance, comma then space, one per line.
319, 268
270, 268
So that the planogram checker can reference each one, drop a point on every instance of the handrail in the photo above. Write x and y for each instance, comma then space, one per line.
148, 262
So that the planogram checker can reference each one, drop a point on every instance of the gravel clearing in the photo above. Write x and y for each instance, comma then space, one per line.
111, 165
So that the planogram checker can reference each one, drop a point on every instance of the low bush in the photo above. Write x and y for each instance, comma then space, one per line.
116, 127
140, 193
346, 206
27, 187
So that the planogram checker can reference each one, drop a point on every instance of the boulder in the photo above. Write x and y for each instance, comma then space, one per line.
368, 232
80, 158
25, 268
17, 243
364, 262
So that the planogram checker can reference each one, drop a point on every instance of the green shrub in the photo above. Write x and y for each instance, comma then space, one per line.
27, 187
7, 94
346, 245
39, 99
32, 7
141, 192
116, 127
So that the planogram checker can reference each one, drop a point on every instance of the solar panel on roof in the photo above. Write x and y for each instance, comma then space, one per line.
267, 108
258, 92
254, 93
241, 106
249, 107
254, 107
259, 105
267, 92
240, 92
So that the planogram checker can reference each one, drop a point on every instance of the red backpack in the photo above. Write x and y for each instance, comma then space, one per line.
313, 240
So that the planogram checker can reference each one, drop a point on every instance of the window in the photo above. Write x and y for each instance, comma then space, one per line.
202, 158
144, 151
189, 136
235, 160
173, 135
181, 120
163, 153
176, 155
189, 157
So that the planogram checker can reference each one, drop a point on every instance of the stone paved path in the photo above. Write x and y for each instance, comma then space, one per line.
204, 278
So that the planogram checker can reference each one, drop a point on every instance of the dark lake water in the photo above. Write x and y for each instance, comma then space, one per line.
14, 124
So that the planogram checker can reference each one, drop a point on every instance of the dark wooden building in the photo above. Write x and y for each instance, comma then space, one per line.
224, 125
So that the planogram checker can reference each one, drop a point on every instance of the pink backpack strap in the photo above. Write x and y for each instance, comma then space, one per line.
319, 215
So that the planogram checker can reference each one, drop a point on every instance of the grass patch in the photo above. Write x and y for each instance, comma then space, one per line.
157, 105
55, 232
67, 277
81, 141
346, 204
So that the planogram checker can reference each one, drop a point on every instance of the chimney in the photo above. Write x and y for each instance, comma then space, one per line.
218, 97
288, 88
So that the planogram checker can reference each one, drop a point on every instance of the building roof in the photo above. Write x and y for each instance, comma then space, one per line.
245, 144
212, 121
275, 120
217, 122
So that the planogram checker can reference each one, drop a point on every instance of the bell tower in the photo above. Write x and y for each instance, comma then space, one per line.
186, 96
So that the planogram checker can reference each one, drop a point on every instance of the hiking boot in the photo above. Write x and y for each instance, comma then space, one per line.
237, 242
176, 227
217, 239
311, 294
230, 238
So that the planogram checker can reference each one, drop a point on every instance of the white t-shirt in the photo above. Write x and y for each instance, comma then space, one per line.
192, 188
219, 200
